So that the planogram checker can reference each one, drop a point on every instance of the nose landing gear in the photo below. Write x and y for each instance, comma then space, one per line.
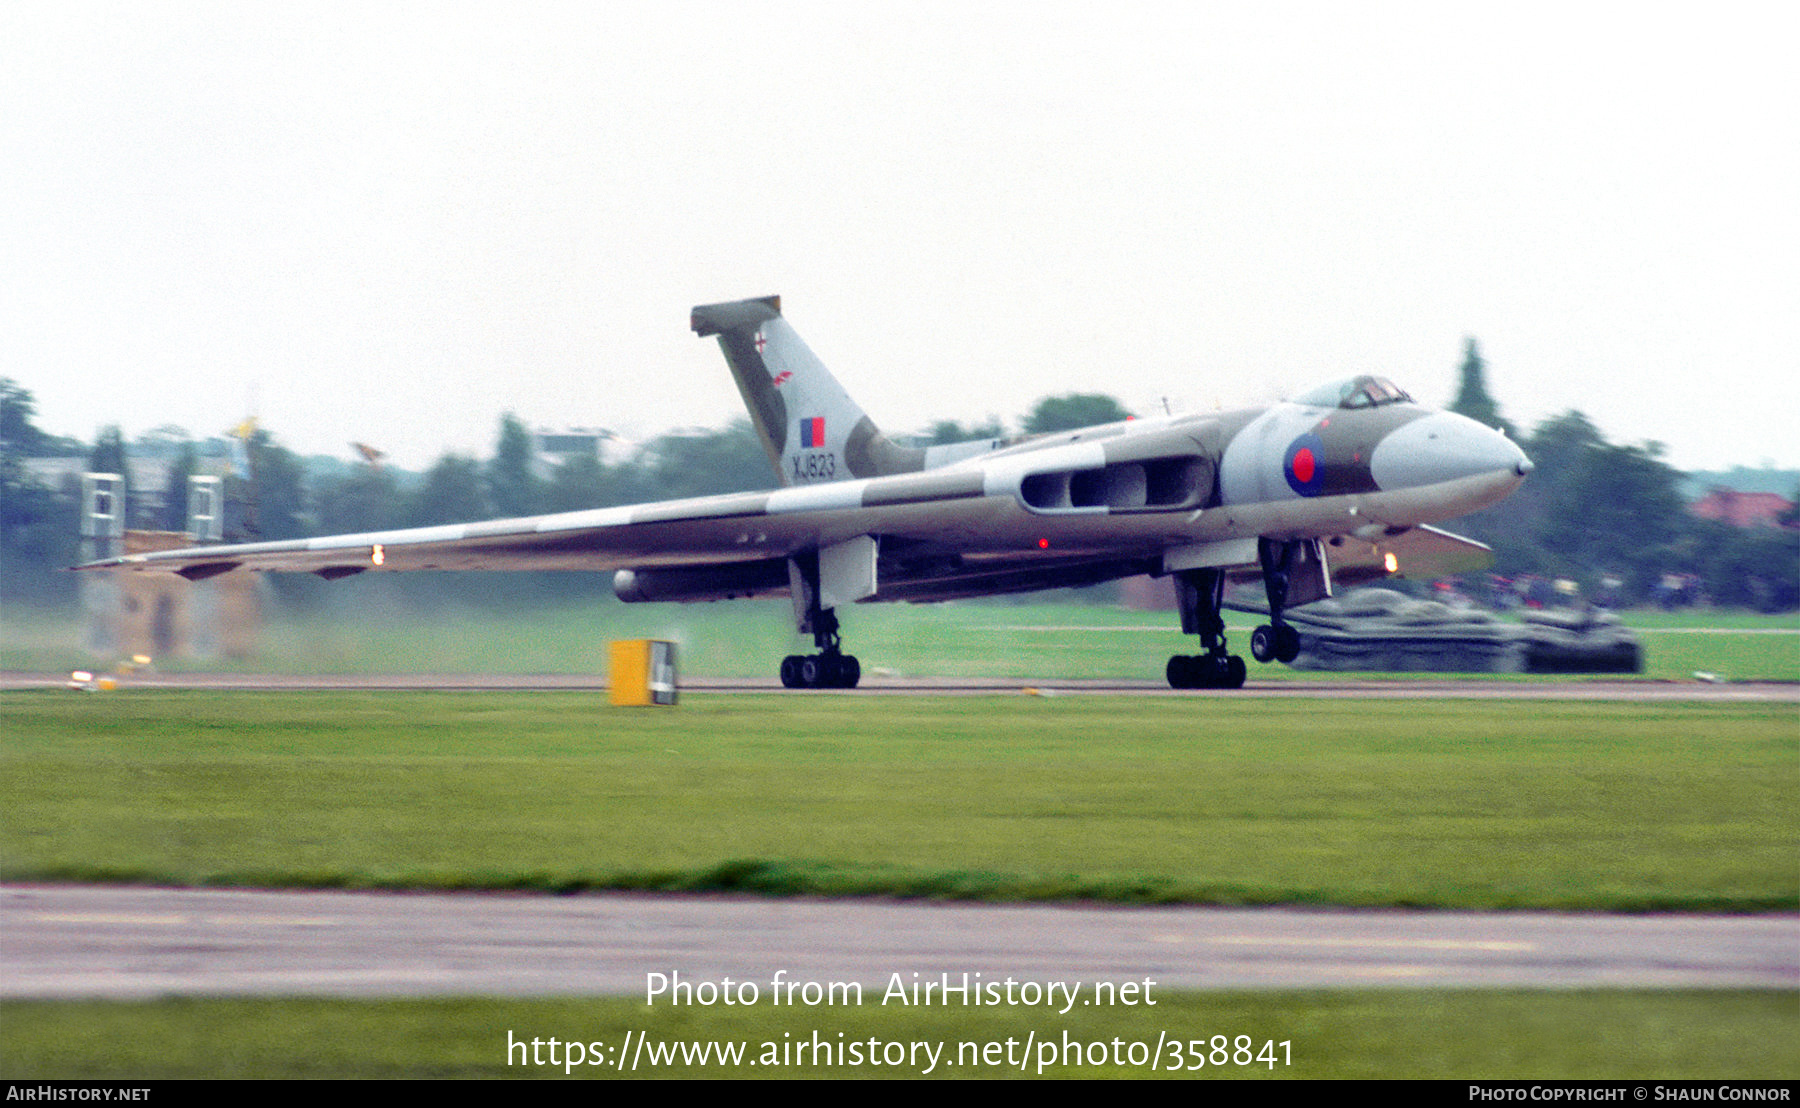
1275, 643
1294, 572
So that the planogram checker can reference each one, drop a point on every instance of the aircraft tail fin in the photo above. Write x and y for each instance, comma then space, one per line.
812, 430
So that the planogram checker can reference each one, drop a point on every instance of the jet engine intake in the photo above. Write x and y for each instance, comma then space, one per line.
1150, 485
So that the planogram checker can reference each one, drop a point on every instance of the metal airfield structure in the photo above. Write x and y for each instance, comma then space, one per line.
1340, 484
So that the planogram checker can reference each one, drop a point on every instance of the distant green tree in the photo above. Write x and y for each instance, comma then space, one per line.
946, 431
1560, 441
579, 482
39, 536
512, 488
1746, 567
1591, 508
1472, 398
451, 493
1619, 509
269, 502
39, 525
364, 499
727, 460
1072, 412
175, 489
108, 454
19, 434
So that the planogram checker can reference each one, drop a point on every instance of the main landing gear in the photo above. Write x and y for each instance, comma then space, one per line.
830, 668
1294, 572
1198, 593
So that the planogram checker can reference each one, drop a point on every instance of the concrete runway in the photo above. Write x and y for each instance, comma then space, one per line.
1769, 692
132, 942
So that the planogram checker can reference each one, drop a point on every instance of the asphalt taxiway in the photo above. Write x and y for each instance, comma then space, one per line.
133, 942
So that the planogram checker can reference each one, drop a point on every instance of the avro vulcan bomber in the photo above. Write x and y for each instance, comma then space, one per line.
1339, 484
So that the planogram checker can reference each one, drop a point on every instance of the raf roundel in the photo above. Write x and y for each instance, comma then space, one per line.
1304, 465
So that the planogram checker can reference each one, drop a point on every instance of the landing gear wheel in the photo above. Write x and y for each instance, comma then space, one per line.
1206, 671
830, 668
1262, 644
820, 671
1287, 643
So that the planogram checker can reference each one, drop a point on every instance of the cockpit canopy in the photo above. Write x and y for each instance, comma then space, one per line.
1362, 391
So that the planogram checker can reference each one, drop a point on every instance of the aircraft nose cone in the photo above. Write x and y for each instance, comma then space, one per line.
1443, 446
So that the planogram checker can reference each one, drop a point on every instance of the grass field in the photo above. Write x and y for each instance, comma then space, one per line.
1442, 803
1327, 1034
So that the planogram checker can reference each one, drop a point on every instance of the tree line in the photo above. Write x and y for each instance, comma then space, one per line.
1611, 517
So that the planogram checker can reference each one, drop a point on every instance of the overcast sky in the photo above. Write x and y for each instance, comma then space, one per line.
389, 223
